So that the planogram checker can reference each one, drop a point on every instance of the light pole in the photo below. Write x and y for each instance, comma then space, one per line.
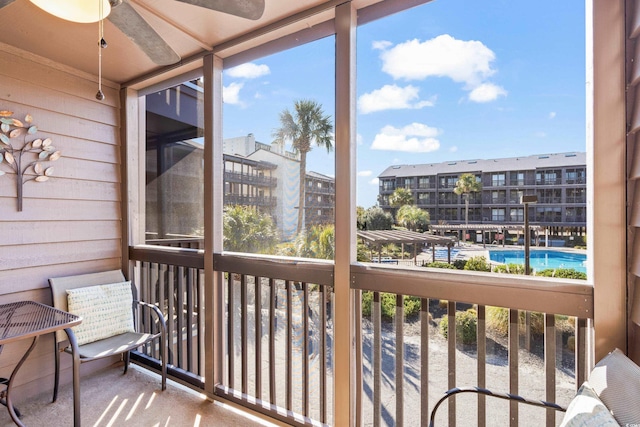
525, 200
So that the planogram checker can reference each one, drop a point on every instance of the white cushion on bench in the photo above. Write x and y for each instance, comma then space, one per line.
587, 410
106, 310
616, 380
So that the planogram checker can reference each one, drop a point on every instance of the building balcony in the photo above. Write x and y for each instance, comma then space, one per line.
288, 375
260, 180
239, 199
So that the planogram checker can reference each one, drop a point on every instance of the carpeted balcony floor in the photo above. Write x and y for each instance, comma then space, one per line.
135, 399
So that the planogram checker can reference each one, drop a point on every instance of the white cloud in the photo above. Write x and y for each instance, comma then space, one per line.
392, 97
365, 173
375, 181
453, 149
249, 71
359, 139
231, 93
413, 138
486, 92
443, 56
541, 134
381, 44
552, 115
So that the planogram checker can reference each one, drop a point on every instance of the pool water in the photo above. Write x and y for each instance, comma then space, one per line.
540, 259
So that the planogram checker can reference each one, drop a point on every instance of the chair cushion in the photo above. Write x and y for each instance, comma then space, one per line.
586, 410
616, 380
106, 310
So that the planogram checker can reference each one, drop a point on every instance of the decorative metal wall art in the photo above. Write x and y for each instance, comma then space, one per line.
15, 147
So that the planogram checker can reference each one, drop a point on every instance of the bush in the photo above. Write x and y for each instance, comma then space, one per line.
498, 321
477, 263
509, 269
440, 264
388, 305
466, 326
459, 263
562, 273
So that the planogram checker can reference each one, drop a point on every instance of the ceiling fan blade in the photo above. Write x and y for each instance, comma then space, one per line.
249, 9
141, 33
4, 3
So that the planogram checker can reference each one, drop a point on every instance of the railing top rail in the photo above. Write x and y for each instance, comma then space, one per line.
553, 296
185, 257
318, 272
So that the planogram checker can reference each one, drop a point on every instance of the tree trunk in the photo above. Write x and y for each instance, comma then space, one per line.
301, 198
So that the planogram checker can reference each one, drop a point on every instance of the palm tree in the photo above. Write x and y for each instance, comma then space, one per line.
413, 218
247, 230
400, 197
306, 126
465, 185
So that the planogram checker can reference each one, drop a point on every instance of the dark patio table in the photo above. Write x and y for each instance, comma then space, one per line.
28, 319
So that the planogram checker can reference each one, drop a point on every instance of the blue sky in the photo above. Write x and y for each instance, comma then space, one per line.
449, 80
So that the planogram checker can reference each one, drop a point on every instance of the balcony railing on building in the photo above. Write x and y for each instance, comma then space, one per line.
264, 180
239, 199
278, 325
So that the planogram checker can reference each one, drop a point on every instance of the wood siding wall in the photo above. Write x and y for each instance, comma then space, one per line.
70, 224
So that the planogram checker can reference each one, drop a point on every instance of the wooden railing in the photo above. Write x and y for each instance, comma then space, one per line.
278, 336
408, 365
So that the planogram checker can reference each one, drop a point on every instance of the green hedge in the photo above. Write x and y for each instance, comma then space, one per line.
466, 326
388, 304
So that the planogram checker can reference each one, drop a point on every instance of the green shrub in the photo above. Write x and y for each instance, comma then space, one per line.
466, 326
562, 273
477, 263
440, 264
498, 321
509, 269
388, 304
459, 263
443, 303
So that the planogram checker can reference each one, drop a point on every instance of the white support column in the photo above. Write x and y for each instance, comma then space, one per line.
346, 377
213, 199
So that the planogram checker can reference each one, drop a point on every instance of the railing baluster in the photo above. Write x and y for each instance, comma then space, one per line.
230, 351
424, 361
306, 312
273, 292
377, 359
323, 353
399, 360
513, 364
289, 355
189, 320
451, 358
180, 315
171, 330
550, 365
481, 364
244, 329
258, 335
580, 349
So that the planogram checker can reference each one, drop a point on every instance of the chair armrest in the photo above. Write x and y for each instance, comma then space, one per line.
156, 310
487, 392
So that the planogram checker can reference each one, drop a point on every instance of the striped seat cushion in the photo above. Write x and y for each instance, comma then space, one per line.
587, 410
106, 310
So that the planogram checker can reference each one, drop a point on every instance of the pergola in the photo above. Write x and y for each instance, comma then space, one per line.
498, 228
377, 238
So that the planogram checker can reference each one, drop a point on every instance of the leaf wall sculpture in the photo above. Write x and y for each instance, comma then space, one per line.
24, 158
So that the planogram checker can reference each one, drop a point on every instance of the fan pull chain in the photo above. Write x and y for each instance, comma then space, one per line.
102, 44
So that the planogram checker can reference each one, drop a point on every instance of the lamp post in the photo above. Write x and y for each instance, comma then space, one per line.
525, 200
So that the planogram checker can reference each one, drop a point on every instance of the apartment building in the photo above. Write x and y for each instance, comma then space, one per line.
558, 180
320, 194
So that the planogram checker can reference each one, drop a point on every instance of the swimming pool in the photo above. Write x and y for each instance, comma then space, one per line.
539, 259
